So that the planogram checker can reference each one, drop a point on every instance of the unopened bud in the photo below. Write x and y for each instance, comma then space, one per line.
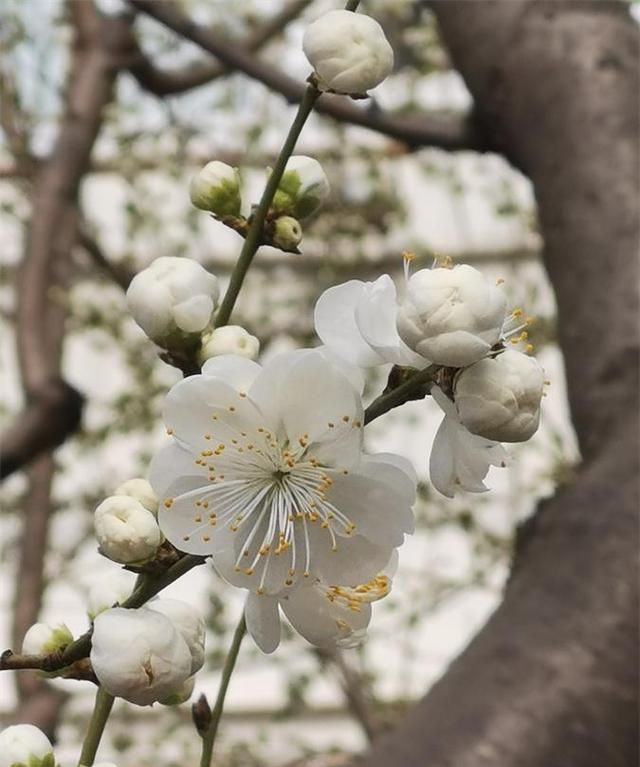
287, 233
216, 188
142, 491
126, 531
302, 189
43, 638
201, 714
229, 339
24, 745
181, 694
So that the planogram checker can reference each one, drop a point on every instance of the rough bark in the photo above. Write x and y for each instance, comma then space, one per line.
552, 679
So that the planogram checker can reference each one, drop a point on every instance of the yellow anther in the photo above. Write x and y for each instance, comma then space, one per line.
408, 255
206, 538
197, 518
169, 432
260, 591
186, 537
168, 502
232, 408
500, 281
243, 394
249, 571
517, 312
529, 348
330, 425
345, 418
207, 436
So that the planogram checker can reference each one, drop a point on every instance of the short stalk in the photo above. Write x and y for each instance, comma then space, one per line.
415, 387
209, 737
255, 234
101, 710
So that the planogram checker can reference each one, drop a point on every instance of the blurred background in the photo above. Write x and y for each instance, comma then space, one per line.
299, 705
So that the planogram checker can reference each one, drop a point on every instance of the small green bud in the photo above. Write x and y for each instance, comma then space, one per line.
287, 233
43, 638
302, 189
216, 188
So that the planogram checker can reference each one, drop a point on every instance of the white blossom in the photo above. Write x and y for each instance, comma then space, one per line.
499, 397
451, 316
109, 590
460, 460
125, 530
216, 188
43, 638
230, 339
357, 321
139, 655
302, 189
24, 745
141, 490
348, 51
173, 297
325, 615
266, 475
188, 622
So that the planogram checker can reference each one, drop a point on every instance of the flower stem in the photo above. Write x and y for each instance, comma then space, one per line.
415, 387
209, 737
101, 711
254, 235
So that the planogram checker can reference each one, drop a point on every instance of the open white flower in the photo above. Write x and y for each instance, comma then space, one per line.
188, 622
325, 615
302, 189
349, 51
229, 339
460, 460
266, 475
173, 297
357, 321
139, 655
24, 745
499, 397
42, 638
125, 530
451, 316
141, 490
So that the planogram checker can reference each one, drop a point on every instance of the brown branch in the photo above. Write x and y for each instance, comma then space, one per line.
169, 82
53, 413
445, 131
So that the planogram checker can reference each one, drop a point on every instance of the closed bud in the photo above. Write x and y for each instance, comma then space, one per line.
181, 694
172, 299
451, 317
499, 398
303, 188
348, 51
24, 745
201, 714
126, 531
287, 233
216, 188
142, 491
109, 591
43, 638
189, 624
229, 339
139, 655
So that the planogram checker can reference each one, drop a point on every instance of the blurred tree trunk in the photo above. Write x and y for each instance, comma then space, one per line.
552, 679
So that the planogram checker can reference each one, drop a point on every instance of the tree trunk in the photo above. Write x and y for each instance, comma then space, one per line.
552, 679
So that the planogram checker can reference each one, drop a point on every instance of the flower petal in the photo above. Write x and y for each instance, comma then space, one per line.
335, 323
238, 372
263, 621
355, 559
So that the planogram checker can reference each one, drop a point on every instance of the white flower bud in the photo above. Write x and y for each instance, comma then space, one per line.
108, 591
303, 187
126, 531
229, 339
188, 622
24, 745
104, 764
43, 638
451, 316
139, 655
173, 297
348, 51
216, 188
181, 695
499, 398
141, 490
287, 233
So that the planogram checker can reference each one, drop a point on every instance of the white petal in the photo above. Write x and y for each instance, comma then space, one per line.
171, 462
352, 372
336, 325
356, 559
193, 314
263, 621
265, 390
393, 470
375, 316
441, 462
238, 372
320, 621
380, 512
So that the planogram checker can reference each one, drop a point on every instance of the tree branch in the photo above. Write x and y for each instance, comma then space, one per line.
445, 131
169, 82
552, 677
